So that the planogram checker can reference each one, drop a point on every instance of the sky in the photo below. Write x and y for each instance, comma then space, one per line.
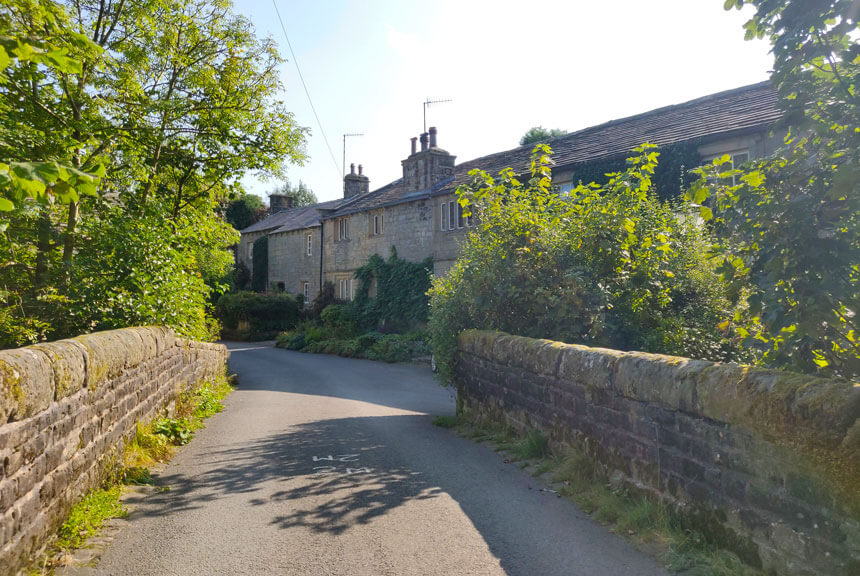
370, 65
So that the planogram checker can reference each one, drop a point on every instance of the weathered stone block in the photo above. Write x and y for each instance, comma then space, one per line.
26, 383
68, 360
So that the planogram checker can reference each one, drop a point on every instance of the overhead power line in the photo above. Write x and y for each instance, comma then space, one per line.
305, 86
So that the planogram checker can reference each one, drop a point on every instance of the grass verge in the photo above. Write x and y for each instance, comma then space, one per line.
151, 444
650, 523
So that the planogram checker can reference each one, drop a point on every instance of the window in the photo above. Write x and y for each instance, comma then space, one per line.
306, 290
251, 251
310, 240
736, 159
343, 229
451, 216
377, 225
341, 289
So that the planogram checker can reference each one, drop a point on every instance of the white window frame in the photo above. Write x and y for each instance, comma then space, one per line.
443, 216
377, 225
251, 251
310, 243
306, 290
732, 164
452, 214
343, 229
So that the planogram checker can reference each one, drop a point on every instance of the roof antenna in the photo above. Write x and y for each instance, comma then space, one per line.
344, 151
427, 104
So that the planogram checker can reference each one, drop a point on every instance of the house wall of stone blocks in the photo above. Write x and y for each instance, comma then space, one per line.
291, 265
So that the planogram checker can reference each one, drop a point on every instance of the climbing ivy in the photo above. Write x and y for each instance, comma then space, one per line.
401, 293
671, 176
260, 264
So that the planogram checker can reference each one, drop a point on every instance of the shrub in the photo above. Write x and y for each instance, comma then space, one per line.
607, 265
248, 315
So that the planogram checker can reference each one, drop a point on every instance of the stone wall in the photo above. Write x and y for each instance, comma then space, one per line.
766, 461
66, 408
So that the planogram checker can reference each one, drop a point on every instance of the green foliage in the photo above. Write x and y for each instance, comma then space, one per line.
120, 141
245, 210
539, 134
606, 265
328, 339
401, 288
790, 225
446, 421
300, 193
324, 299
88, 515
260, 264
265, 314
177, 432
672, 175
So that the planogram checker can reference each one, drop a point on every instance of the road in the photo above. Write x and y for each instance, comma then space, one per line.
325, 465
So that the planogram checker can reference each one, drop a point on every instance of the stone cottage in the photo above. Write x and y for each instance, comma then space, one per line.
419, 216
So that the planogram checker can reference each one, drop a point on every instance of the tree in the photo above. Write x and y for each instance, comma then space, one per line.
301, 194
539, 134
244, 211
176, 99
791, 224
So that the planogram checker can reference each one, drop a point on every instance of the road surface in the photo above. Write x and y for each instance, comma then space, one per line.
325, 465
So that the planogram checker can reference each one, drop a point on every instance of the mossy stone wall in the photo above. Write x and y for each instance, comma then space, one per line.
767, 461
65, 410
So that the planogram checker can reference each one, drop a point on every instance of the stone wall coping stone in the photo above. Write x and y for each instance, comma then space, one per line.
807, 411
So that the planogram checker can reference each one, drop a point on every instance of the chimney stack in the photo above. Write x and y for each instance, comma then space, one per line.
414, 145
424, 141
355, 184
279, 203
432, 137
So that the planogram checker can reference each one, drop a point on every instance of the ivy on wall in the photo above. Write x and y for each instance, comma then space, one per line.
401, 293
260, 264
671, 177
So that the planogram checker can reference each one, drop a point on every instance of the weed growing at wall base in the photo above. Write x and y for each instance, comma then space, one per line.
650, 523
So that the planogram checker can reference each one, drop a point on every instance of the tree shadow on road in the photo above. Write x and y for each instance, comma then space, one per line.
334, 474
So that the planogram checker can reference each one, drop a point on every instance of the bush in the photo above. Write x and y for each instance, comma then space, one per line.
606, 266
308, 337
248, 315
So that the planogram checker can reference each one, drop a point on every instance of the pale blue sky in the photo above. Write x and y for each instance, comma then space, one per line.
507, 66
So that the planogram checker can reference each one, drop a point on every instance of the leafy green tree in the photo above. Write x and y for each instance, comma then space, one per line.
300, 193
539, 134
147, 111
607, 265
245, 210
791, 223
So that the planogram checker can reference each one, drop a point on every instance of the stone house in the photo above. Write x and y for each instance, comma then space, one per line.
419, 216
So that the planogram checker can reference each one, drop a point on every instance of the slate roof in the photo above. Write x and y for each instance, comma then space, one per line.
294, 218
711, 117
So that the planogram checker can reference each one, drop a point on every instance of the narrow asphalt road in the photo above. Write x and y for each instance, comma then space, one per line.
324, 465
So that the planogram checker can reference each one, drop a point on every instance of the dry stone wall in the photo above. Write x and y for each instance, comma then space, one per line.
766, 461
65, 409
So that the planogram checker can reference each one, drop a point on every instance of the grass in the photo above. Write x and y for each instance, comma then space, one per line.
88, 515
643, 519
445, 421
151, 444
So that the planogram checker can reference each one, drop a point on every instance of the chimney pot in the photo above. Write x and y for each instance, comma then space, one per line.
359, 169
432, 137
352, 168
424, 141
414, 145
